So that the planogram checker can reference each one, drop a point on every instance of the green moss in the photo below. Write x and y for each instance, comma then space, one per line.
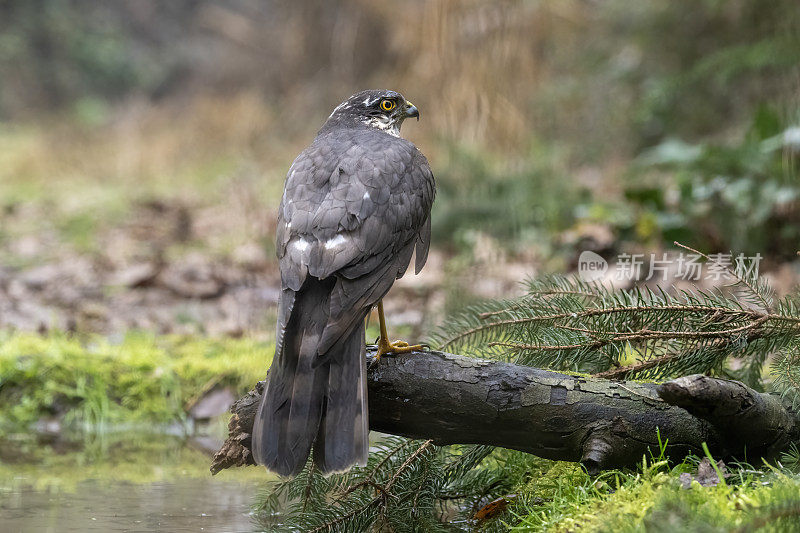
92, 382
659, 502
553, 495
565, 498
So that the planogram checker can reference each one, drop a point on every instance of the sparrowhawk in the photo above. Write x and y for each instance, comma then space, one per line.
355, 207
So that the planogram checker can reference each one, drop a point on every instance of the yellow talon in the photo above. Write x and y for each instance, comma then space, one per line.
386, 347
396, 347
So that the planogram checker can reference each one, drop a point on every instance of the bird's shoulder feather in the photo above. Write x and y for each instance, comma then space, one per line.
352, 198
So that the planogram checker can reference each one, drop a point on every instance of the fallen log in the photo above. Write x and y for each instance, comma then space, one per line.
601, 423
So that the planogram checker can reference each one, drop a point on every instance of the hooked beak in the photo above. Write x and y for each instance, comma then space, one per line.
411, 110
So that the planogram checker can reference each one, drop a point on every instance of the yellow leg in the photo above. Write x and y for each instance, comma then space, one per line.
386, 347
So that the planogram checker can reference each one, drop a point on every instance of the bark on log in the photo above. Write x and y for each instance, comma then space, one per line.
601, 423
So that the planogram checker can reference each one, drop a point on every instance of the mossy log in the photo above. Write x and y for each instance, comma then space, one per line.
601, 423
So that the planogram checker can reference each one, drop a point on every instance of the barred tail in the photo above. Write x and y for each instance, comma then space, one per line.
309, 403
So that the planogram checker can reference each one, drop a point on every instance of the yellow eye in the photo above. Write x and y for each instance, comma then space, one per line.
387, 105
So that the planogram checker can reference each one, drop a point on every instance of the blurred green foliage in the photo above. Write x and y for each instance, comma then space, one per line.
527, 201
70, 52
697, 100
726, 196
708, 64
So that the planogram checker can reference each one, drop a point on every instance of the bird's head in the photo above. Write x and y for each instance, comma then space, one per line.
382, 109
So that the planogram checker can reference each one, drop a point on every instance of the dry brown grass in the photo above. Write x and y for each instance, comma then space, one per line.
220, 157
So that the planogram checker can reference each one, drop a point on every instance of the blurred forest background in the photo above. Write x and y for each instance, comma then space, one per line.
144, 143
143, 149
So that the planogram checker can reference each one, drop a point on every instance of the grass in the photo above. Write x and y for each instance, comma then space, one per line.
93, 383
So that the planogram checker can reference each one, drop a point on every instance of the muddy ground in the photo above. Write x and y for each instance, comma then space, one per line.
158, 268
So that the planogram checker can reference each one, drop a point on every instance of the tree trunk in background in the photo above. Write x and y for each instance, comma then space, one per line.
601, 423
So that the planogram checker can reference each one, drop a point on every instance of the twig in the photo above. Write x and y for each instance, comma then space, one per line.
636, 367
384, 490
554, 292
408, 462
742, 280
386, 459
307, 489
643, 334
368, 480
366, 483
327, 526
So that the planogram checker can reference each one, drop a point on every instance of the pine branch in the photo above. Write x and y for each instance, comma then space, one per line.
405, 465
641, 335
667, 334
307, 491
448, 342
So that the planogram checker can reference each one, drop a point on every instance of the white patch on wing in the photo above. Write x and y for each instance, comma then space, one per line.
366, 196
336, 241
301, 245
